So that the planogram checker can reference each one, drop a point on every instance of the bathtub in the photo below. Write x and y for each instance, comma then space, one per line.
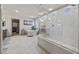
51, 47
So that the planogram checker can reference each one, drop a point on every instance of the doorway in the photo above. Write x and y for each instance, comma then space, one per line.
15, 26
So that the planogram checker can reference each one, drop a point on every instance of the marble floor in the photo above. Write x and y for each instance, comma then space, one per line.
22, 45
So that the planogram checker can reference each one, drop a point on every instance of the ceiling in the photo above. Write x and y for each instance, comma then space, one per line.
28, 10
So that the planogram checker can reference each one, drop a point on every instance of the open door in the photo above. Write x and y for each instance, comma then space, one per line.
15, 26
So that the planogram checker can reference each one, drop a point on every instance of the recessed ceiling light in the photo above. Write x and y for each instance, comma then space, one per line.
3, 19
16, 11
50, 9
41, 20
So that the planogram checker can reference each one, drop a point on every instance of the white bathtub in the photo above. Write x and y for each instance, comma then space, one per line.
52, 47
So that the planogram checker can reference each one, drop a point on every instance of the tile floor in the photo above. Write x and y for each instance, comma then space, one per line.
22, 45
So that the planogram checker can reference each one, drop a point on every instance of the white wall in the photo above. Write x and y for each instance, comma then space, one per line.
62, 26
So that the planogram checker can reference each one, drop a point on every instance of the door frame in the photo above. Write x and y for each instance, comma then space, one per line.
12, 24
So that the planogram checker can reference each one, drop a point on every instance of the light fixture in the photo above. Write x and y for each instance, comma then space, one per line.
41, 20
50, 9
16, 11
3, 19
